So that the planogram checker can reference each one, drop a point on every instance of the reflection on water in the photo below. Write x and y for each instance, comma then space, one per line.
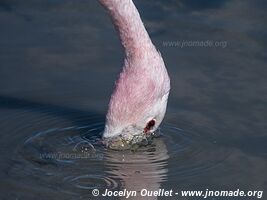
85, 164
143, 169
73, 161
59, 60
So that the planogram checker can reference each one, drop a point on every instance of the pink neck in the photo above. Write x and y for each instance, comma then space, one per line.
127, 21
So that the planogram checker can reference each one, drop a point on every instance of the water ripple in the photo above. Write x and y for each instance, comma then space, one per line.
73, 159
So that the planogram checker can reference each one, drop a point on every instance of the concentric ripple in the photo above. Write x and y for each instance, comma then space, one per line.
193, 153
71, 159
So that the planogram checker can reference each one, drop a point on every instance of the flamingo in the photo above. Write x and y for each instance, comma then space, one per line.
138, 103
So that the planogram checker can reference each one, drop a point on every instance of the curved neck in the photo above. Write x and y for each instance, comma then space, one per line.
127, 21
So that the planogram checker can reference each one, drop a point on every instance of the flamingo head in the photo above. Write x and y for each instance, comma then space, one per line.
138, 103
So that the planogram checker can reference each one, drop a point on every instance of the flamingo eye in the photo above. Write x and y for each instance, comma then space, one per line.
149, 125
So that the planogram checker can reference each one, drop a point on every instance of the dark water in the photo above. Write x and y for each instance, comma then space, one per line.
59, 60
